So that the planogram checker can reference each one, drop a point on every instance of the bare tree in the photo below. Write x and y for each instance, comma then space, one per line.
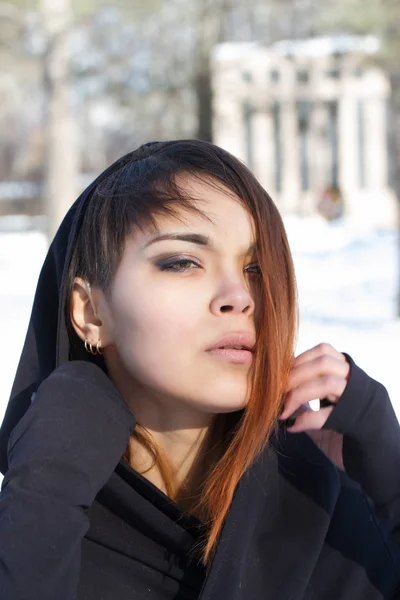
62, 154
61, 161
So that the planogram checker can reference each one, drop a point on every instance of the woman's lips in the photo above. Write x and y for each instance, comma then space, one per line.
231, 355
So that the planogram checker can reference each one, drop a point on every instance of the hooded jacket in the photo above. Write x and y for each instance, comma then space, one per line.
78, 523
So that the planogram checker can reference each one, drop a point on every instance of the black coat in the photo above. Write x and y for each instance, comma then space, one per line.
76, 522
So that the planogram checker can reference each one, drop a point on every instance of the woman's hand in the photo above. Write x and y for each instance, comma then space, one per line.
321, 372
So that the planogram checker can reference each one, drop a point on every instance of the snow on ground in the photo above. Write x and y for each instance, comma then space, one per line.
21, 258
346, 278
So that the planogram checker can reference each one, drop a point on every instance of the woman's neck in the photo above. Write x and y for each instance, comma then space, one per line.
180, 464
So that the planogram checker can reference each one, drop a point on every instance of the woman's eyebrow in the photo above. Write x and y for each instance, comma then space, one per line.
194, 238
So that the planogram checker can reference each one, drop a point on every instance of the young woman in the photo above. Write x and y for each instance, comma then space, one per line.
157, 444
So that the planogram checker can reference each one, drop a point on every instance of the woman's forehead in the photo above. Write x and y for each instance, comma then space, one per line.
234, 226
214, 211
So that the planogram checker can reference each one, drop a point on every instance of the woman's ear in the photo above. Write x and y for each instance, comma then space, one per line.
83, 312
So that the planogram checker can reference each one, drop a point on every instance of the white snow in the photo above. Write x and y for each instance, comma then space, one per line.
308, 47
346, 278
21, 258
328, 45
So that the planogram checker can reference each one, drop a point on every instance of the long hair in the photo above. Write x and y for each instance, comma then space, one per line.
146, 186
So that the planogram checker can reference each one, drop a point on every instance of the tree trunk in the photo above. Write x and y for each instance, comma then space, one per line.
394, 77
204, 102
61, 161
210, 30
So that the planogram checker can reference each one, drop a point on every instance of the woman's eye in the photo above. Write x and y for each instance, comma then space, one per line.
254, 269
180, 265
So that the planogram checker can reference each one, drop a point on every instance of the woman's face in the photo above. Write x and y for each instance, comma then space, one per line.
173, 299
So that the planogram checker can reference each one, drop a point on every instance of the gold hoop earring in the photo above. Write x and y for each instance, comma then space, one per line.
99, 348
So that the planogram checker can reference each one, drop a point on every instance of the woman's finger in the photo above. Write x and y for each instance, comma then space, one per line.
316, 351
330, 387
325, 364
310, 420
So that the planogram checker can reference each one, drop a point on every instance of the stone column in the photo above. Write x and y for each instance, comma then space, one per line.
291, 186
376, 165
320, 161
228, 127
263, 150
381, 205
348, 147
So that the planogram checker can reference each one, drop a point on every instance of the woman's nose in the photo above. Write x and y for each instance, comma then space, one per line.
234, 297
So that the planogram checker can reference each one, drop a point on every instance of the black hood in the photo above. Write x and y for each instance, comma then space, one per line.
47, 342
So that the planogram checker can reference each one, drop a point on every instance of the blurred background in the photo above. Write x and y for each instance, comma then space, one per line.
307, 93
